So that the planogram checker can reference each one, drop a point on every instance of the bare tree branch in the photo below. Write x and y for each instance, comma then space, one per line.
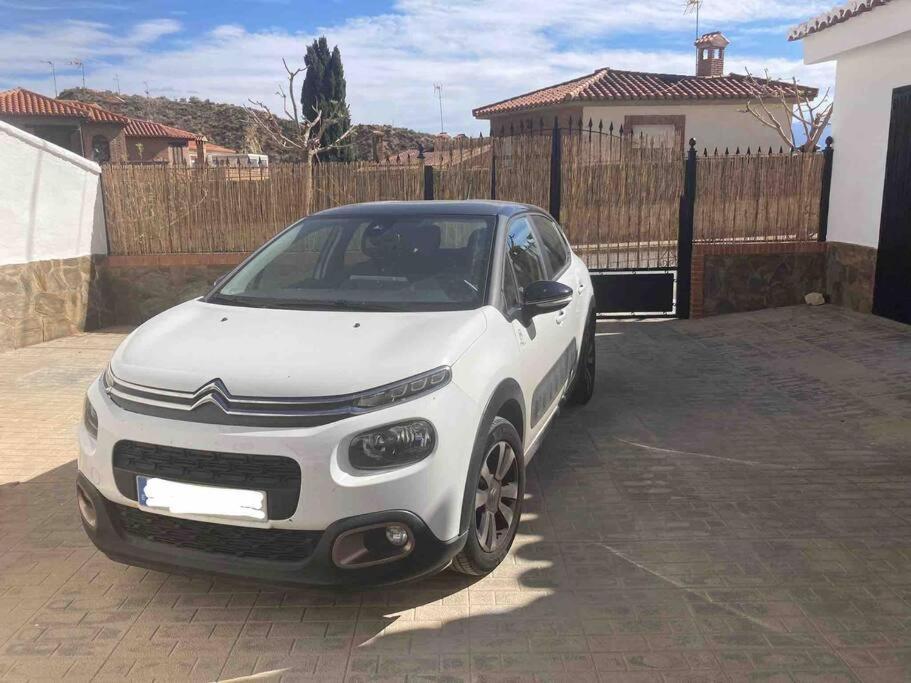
795, 105
306, 135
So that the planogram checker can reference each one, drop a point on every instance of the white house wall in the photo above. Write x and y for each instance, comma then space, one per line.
865, 78
713, 125
50, 200
51, 224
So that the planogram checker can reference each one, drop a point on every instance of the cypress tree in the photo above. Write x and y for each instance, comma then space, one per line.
324, 90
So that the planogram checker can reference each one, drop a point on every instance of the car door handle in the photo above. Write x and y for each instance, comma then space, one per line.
581, 287
561, 316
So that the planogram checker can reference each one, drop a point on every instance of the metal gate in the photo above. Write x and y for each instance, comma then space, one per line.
625, 202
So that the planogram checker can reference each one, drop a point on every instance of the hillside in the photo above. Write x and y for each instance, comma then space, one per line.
230, 125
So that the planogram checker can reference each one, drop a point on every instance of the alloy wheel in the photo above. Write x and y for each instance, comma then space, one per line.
497, 496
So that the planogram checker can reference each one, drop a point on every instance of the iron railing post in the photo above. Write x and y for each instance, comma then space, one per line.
827, 155
428, 181
685, 233
493, 169
556, 182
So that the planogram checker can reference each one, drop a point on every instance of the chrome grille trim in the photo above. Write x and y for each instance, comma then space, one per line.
316, 410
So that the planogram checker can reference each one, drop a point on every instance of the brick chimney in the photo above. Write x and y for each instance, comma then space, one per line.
710, 54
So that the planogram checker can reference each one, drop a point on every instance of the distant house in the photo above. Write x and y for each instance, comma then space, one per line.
216, 155
869, 227
708, 106
96, 133
91, 132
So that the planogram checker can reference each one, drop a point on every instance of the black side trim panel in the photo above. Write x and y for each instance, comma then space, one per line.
553, 382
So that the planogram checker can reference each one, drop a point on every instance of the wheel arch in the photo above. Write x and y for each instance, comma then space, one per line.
507, 402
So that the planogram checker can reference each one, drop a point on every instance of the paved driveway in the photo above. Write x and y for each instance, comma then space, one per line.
734, 504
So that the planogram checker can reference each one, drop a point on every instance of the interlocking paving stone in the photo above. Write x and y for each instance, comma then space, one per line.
732, 505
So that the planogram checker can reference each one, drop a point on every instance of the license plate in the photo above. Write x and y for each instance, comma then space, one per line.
195, 499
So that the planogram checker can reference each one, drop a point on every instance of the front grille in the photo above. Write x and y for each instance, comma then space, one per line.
279, 545
278, 476
212, 403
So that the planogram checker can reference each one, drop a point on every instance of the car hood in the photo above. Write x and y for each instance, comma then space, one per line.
290, 353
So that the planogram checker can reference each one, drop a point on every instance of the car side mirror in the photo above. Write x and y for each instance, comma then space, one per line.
545, 296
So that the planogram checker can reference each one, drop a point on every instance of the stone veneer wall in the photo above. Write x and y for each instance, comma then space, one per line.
850, 275
43, 300
128, 290
730, 278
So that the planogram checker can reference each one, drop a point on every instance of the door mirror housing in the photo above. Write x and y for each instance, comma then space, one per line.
545, 296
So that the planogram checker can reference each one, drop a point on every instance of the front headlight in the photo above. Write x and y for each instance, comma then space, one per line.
107, 379
89, 418
392, 446
404, 390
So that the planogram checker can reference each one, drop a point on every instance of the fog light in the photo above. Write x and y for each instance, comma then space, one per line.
86, 507
372, 545
397, 535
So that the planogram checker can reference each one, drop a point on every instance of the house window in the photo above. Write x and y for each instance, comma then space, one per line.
101, 149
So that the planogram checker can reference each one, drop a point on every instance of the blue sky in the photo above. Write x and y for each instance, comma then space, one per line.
393, 52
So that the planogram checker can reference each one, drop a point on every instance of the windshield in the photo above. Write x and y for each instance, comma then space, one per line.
390, 263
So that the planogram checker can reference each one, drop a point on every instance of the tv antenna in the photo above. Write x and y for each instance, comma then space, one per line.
694, 6
81, 65
53, 73
117, 83
438, 91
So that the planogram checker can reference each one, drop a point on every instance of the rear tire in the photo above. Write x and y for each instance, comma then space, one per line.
493, 501
584, 381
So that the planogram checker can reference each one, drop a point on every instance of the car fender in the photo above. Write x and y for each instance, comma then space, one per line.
508, 389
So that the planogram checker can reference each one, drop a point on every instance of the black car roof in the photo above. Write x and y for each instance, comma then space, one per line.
469, 207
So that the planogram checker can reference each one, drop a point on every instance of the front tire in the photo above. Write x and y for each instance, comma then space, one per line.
494, 501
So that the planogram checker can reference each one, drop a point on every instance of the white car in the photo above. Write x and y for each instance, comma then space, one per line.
355, 403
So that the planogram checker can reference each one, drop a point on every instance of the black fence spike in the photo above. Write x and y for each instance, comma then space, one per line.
748, 151
738, 151
727, 151
610, 128
601, 125
705, 152
589, 123
621, 130
715, 152
781, 149
770, 150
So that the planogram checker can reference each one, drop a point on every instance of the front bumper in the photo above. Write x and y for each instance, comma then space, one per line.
111, 536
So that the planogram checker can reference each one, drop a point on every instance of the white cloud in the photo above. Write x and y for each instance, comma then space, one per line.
23, 51
481, 50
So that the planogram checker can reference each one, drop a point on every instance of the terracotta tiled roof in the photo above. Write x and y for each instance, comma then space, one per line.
834, 16
149, 129
212, 148
95, 113
612, 85
713, 39
22, 102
